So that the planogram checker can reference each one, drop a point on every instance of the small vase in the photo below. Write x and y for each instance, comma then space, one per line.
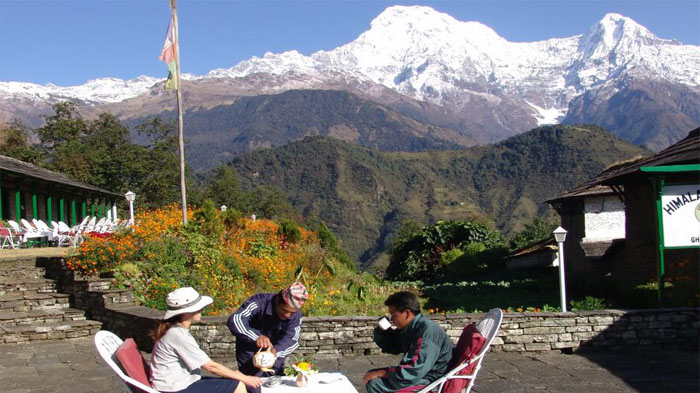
302, 380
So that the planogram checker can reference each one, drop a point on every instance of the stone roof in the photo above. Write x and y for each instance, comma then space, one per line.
24, 168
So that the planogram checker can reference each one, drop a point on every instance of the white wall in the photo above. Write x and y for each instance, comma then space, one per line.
604, 218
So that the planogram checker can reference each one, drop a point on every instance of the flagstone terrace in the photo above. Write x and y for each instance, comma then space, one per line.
526, 355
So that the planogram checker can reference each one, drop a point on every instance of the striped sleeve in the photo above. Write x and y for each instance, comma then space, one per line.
239, 322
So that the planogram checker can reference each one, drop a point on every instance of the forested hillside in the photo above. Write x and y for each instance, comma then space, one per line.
364, 195
216, 135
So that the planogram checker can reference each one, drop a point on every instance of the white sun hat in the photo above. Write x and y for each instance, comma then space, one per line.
184, 300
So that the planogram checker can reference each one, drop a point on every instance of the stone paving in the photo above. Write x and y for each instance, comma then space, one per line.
73, 366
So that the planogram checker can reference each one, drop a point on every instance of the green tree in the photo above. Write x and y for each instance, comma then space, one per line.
268, 202
100, 152
538, 229
224, 188
14, 142
62, 139
158, 176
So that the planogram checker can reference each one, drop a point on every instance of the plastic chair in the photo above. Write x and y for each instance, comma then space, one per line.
488, 327
107, 344
9, 239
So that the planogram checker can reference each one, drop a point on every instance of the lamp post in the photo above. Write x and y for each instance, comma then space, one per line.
130, 196
223, 208
560, 236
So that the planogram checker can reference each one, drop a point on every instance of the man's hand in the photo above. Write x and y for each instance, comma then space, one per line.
253, 382
263, 342
382, 373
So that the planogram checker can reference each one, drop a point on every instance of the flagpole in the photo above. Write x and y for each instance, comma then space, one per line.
181, 140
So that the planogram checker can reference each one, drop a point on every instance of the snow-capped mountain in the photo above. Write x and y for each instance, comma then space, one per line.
479, 82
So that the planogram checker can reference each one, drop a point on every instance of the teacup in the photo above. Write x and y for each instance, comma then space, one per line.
274, 380
384, 323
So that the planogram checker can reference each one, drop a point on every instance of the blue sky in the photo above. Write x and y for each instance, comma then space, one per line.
70, 42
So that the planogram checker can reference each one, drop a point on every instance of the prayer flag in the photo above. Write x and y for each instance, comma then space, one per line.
168, 55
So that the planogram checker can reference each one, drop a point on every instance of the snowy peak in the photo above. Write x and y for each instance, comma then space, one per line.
618, 46
431, 56
96, 90
415, 21
616, 33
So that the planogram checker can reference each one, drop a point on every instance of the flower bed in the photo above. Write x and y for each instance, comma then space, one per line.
225, 256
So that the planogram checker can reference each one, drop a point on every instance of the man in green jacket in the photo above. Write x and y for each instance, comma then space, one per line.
425, 346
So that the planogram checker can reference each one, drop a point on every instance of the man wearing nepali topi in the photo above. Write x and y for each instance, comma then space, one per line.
268, 320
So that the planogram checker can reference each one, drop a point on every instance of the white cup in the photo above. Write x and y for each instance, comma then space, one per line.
384, 323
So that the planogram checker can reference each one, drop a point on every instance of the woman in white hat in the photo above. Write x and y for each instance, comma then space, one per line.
177, 360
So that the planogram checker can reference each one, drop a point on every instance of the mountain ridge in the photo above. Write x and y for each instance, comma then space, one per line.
364, 195
472, 79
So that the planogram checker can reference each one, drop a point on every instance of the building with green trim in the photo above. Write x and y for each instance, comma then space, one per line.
638, 257
28, 191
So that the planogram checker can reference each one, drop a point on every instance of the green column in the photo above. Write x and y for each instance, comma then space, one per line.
61, 210
84, 209
658, 191
92, 208
35, 207
73, 213
49, 208
99, 208
18, 205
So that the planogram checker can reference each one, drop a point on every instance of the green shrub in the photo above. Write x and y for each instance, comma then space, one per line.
589, 303
207, 220
289, 230
165, 257
449, 256
326, 238
467, 264
260, 249
232, 219
329, 242
417, 254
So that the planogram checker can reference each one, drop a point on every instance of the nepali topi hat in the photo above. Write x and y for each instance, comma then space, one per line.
295, 295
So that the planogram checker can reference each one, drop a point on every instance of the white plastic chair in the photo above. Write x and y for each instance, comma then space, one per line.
24, 234
107, 344
90, 226
82, 224
488, 327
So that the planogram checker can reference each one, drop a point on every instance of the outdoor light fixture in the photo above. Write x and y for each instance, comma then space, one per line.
130, 196
223, 208
560, 237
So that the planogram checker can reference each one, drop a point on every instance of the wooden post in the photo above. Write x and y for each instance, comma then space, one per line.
181, 140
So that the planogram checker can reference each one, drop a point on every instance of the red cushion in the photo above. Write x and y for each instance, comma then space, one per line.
469, 344
132, 362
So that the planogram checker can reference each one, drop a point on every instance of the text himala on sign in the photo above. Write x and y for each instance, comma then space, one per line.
681, 215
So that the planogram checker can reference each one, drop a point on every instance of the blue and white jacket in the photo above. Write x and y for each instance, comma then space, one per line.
257, 317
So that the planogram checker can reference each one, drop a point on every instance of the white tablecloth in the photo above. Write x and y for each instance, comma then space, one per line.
321, 383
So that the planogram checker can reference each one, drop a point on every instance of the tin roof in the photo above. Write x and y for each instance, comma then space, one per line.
24, 168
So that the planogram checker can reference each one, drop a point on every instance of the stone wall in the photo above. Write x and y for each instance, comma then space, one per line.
649, 329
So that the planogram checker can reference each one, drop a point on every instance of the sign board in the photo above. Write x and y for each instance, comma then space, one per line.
681, 215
